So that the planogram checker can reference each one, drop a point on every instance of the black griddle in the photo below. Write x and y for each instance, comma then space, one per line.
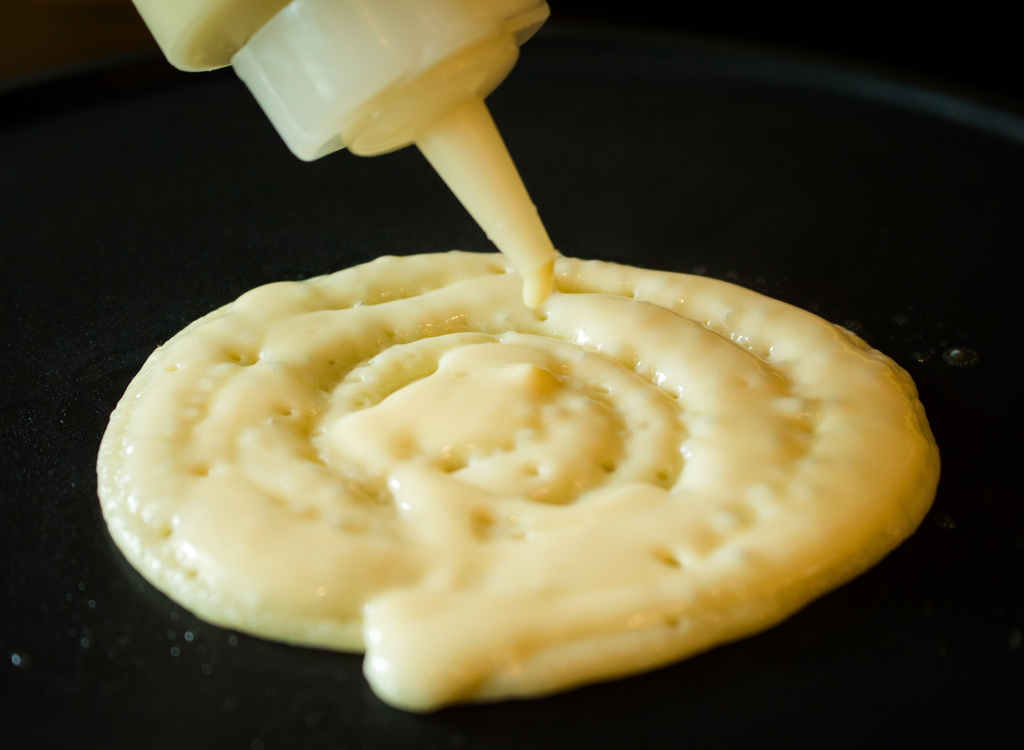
132, 201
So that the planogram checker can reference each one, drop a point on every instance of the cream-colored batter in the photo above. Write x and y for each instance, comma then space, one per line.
499, 501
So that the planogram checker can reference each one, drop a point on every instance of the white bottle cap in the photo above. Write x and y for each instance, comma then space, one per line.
370, 74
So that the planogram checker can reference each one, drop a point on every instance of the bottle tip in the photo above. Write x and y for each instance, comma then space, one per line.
537, 284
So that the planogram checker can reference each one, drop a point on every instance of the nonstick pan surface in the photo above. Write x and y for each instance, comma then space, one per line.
130, 206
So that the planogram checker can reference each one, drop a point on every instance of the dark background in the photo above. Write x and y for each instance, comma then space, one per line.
976, 45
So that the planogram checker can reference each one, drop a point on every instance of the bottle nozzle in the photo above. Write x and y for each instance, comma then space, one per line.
466, 149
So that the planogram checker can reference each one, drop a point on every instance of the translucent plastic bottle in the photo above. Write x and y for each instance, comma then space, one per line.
374, 76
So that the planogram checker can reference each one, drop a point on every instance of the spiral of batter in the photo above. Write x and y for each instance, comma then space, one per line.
499, 501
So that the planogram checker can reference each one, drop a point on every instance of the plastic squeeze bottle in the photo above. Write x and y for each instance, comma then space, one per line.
377, 75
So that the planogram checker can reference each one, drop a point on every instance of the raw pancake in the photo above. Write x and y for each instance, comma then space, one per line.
495, 501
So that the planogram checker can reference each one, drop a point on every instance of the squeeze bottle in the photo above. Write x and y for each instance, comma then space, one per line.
377, 75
